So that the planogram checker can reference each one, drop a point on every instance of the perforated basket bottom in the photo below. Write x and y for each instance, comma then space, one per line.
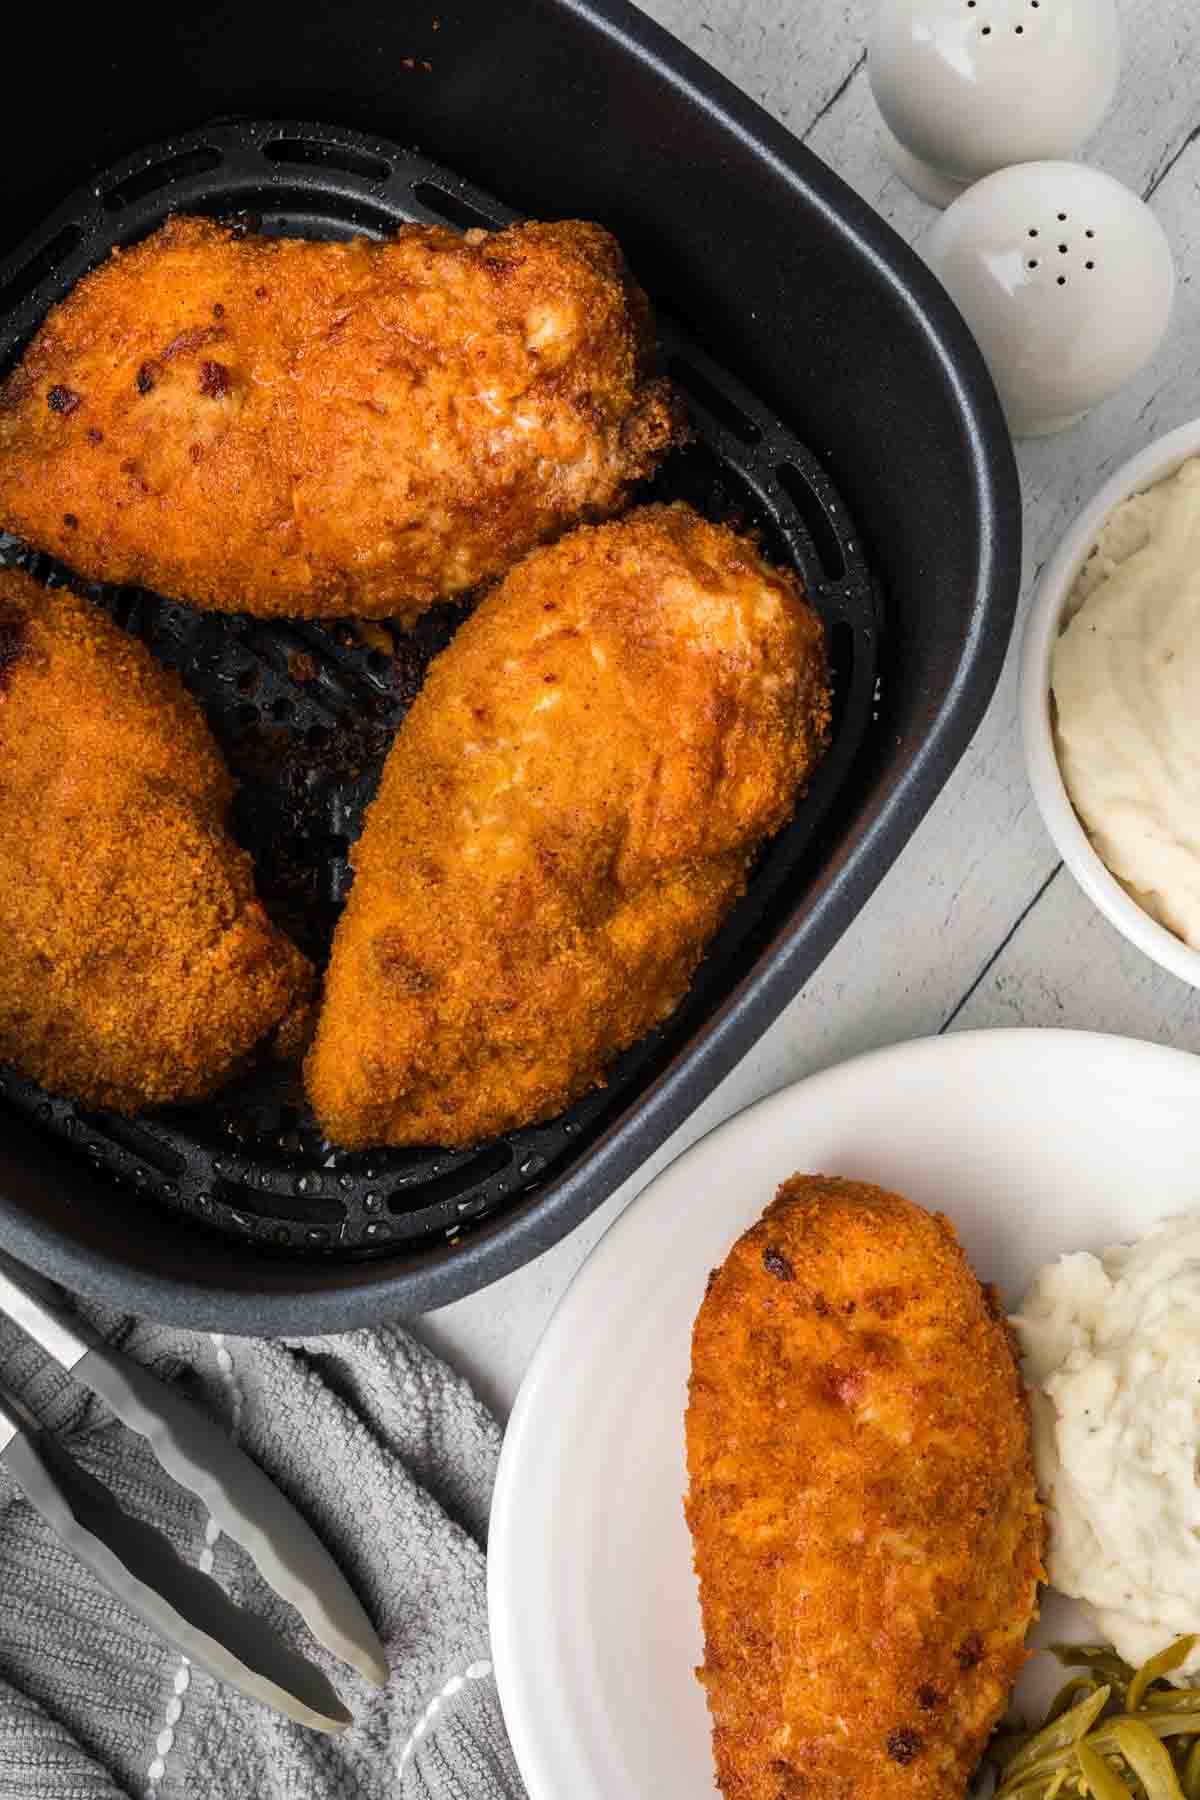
306, 712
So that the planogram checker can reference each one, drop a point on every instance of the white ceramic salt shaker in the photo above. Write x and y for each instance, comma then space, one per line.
1066, 279
969, 86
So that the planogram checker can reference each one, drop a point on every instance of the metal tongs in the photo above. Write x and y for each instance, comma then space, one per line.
137, 1563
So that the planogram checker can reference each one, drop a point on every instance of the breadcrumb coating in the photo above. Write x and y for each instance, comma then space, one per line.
565, 819
286, 427
137, 966
866, 1527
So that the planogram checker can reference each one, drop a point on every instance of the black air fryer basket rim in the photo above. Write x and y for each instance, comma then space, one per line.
314, 1298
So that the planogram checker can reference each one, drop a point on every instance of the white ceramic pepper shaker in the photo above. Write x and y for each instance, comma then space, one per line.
969, 86
1066, 279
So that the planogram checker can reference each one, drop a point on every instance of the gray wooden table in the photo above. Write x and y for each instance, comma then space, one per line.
977, 924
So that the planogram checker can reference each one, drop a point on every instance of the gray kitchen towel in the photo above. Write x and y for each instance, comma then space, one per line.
392, 1459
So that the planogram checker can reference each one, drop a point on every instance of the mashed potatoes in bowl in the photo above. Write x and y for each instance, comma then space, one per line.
1113, 759
1125, 678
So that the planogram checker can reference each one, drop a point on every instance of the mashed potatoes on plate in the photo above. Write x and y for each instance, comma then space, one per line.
1111, 1346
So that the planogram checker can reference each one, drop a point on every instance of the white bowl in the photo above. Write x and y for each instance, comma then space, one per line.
1152, 465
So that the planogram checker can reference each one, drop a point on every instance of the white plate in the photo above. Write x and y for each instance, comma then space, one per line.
1033, 1143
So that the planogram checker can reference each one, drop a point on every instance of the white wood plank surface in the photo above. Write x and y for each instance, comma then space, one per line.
976, 925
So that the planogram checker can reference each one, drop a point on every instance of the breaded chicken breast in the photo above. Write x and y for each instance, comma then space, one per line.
287, 427
137, 965
862, 1504
566, 816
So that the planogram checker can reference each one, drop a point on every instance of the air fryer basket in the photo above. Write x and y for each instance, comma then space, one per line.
306, 712
237, 1215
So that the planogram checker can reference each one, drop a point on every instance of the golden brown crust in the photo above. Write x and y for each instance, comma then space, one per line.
137, 966
566, 816
866, 1527
287, 427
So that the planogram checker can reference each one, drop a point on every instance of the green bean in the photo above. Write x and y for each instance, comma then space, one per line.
1058, 1735
1156, 1668
1068, 1694
1171, 1700
1147, 1758
1191, 1773
1133, 1737
1162, 1725
1106, 1663
1004, 1746
1046, 1787
1032, 1783
1100, 1779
